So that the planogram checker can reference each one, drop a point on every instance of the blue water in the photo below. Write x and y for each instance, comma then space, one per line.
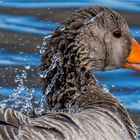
123, 83
26, 24
132, 5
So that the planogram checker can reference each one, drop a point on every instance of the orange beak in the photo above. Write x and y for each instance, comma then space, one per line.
133, 59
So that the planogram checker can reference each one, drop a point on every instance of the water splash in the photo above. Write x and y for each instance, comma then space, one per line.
21, 98
42, 48
44, 73
42, 106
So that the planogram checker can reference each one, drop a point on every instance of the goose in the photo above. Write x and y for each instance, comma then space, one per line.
91, 39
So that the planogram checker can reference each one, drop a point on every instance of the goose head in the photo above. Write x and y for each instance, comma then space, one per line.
105, 43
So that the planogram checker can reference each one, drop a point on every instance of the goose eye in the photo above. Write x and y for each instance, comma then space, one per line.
117, 33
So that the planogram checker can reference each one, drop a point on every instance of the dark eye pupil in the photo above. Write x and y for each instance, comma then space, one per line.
117, 33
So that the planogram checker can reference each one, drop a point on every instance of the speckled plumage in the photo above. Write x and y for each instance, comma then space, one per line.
83, 43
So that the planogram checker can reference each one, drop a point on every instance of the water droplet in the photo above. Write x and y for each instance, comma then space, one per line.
62, 27
27, 67
113, 85
24, 74
105, 88
3, 104
44, 43
39, 111
43, 74
42, 50
48, 89
47, 37
91, 20
38, 46
54, 60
